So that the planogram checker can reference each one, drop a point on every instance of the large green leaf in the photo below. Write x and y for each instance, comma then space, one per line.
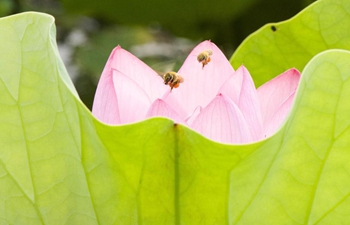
59, 165
280, 46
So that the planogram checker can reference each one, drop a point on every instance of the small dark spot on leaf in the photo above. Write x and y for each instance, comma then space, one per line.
273, 28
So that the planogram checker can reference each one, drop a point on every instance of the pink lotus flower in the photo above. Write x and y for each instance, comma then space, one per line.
216, 101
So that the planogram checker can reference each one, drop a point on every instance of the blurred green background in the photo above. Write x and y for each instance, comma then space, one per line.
161, 33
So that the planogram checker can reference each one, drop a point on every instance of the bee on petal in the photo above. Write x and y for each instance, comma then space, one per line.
204, 57
172, 79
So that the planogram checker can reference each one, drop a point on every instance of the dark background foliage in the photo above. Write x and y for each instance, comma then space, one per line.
161, 33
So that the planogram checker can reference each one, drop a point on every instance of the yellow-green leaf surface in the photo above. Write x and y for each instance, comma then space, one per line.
59, 165
277, 47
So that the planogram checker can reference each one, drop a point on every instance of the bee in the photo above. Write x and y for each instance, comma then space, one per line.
204, 57
172, 79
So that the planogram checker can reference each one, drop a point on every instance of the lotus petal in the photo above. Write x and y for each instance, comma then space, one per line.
161, 108
279, 116
222, 121
105, 106
200, 84
133, 101
136, 70
275, 92
241, 90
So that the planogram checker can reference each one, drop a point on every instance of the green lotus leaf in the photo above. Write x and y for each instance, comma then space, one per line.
277, 47
59, 165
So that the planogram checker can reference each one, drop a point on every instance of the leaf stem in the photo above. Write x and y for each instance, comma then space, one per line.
176, 177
